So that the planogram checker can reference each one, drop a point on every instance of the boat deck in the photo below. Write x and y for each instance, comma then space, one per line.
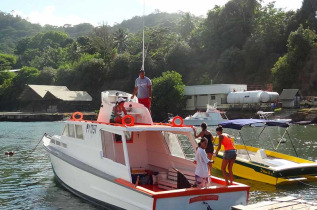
156, 188
281, 204
262, 158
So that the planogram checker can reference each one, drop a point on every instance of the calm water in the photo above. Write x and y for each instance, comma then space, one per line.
30, 184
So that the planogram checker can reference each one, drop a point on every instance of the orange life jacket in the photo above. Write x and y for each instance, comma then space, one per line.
227, 143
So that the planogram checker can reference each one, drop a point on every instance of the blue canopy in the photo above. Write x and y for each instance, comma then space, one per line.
239, 123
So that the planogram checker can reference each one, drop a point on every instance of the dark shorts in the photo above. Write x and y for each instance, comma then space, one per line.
230, 155
210, 149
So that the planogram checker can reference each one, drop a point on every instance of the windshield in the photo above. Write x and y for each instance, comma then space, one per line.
179, 144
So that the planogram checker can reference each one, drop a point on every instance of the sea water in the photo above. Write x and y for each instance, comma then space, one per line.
30, 183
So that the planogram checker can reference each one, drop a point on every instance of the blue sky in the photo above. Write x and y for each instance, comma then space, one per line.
60, 12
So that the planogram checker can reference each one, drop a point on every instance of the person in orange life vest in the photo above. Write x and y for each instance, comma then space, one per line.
229, 155
143, 89
210, 147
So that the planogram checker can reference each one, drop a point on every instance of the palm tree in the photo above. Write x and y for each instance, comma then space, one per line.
120, 38
186, 25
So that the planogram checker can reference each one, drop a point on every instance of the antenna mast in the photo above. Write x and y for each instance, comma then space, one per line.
143, 54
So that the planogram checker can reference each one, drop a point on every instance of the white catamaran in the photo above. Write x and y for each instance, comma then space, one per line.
140, 165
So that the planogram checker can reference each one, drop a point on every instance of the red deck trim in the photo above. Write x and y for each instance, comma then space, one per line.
204, 198
185, 192
133, 186
198, 191
171, 125
96, 122
154, 204
121, 125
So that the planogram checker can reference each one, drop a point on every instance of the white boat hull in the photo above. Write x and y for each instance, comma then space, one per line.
96, 189
115, 195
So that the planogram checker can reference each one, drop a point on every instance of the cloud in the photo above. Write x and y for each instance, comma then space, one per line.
48, 16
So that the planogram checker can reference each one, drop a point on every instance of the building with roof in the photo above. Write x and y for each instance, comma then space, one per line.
201, 95
49, 98
290, 98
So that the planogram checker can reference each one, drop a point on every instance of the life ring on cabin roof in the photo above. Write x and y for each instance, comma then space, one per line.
177, 118
78, 113
128, 117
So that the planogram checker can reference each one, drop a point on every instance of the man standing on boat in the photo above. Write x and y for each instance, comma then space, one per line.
143, 89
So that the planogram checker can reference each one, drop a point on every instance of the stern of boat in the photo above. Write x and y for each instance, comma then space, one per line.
215, 196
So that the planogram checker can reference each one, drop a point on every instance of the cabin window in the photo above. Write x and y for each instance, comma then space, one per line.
128, 137
110, 150
173, 144
65, 131
79, 132
71, 131
212, 97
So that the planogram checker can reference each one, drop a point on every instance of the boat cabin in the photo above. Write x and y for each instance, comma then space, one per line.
146, 153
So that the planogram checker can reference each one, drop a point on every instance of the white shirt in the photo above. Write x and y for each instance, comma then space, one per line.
202, 161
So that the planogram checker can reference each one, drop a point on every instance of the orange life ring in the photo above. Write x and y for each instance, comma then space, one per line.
78, 113
127, 117
178, 125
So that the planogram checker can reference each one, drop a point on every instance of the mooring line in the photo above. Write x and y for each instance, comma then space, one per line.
32, 151
310, 185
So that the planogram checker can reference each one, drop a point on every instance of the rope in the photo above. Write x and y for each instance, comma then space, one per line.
143, 55
292, 143
32, 151
310, 185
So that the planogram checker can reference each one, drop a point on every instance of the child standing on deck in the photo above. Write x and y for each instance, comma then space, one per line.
202, 161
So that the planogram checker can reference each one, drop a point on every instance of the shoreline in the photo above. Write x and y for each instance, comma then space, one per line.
296, 115
35, 117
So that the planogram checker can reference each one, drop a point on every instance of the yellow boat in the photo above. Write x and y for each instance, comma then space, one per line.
264, 165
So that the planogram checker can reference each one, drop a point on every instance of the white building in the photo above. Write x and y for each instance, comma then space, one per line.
200, 95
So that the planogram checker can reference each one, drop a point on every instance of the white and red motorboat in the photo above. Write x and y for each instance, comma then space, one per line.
140, 165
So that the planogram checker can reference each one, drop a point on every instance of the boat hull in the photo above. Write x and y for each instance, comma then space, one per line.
262, 173
116, 196
99, 191
113, 193
84, 196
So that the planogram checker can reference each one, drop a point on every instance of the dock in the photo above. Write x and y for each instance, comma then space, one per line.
284, 203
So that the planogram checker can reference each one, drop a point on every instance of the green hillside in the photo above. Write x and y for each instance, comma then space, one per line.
240, 42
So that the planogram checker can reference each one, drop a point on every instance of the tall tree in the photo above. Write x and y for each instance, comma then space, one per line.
104, 43
186, 25
168, 95
286, 69
120, 39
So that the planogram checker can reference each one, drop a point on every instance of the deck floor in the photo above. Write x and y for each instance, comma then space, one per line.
155, 187
284, 203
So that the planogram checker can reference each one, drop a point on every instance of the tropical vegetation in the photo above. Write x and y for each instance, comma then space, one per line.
240, 42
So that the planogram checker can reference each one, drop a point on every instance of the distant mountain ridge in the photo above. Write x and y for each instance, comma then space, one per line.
14, 28
161, 19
